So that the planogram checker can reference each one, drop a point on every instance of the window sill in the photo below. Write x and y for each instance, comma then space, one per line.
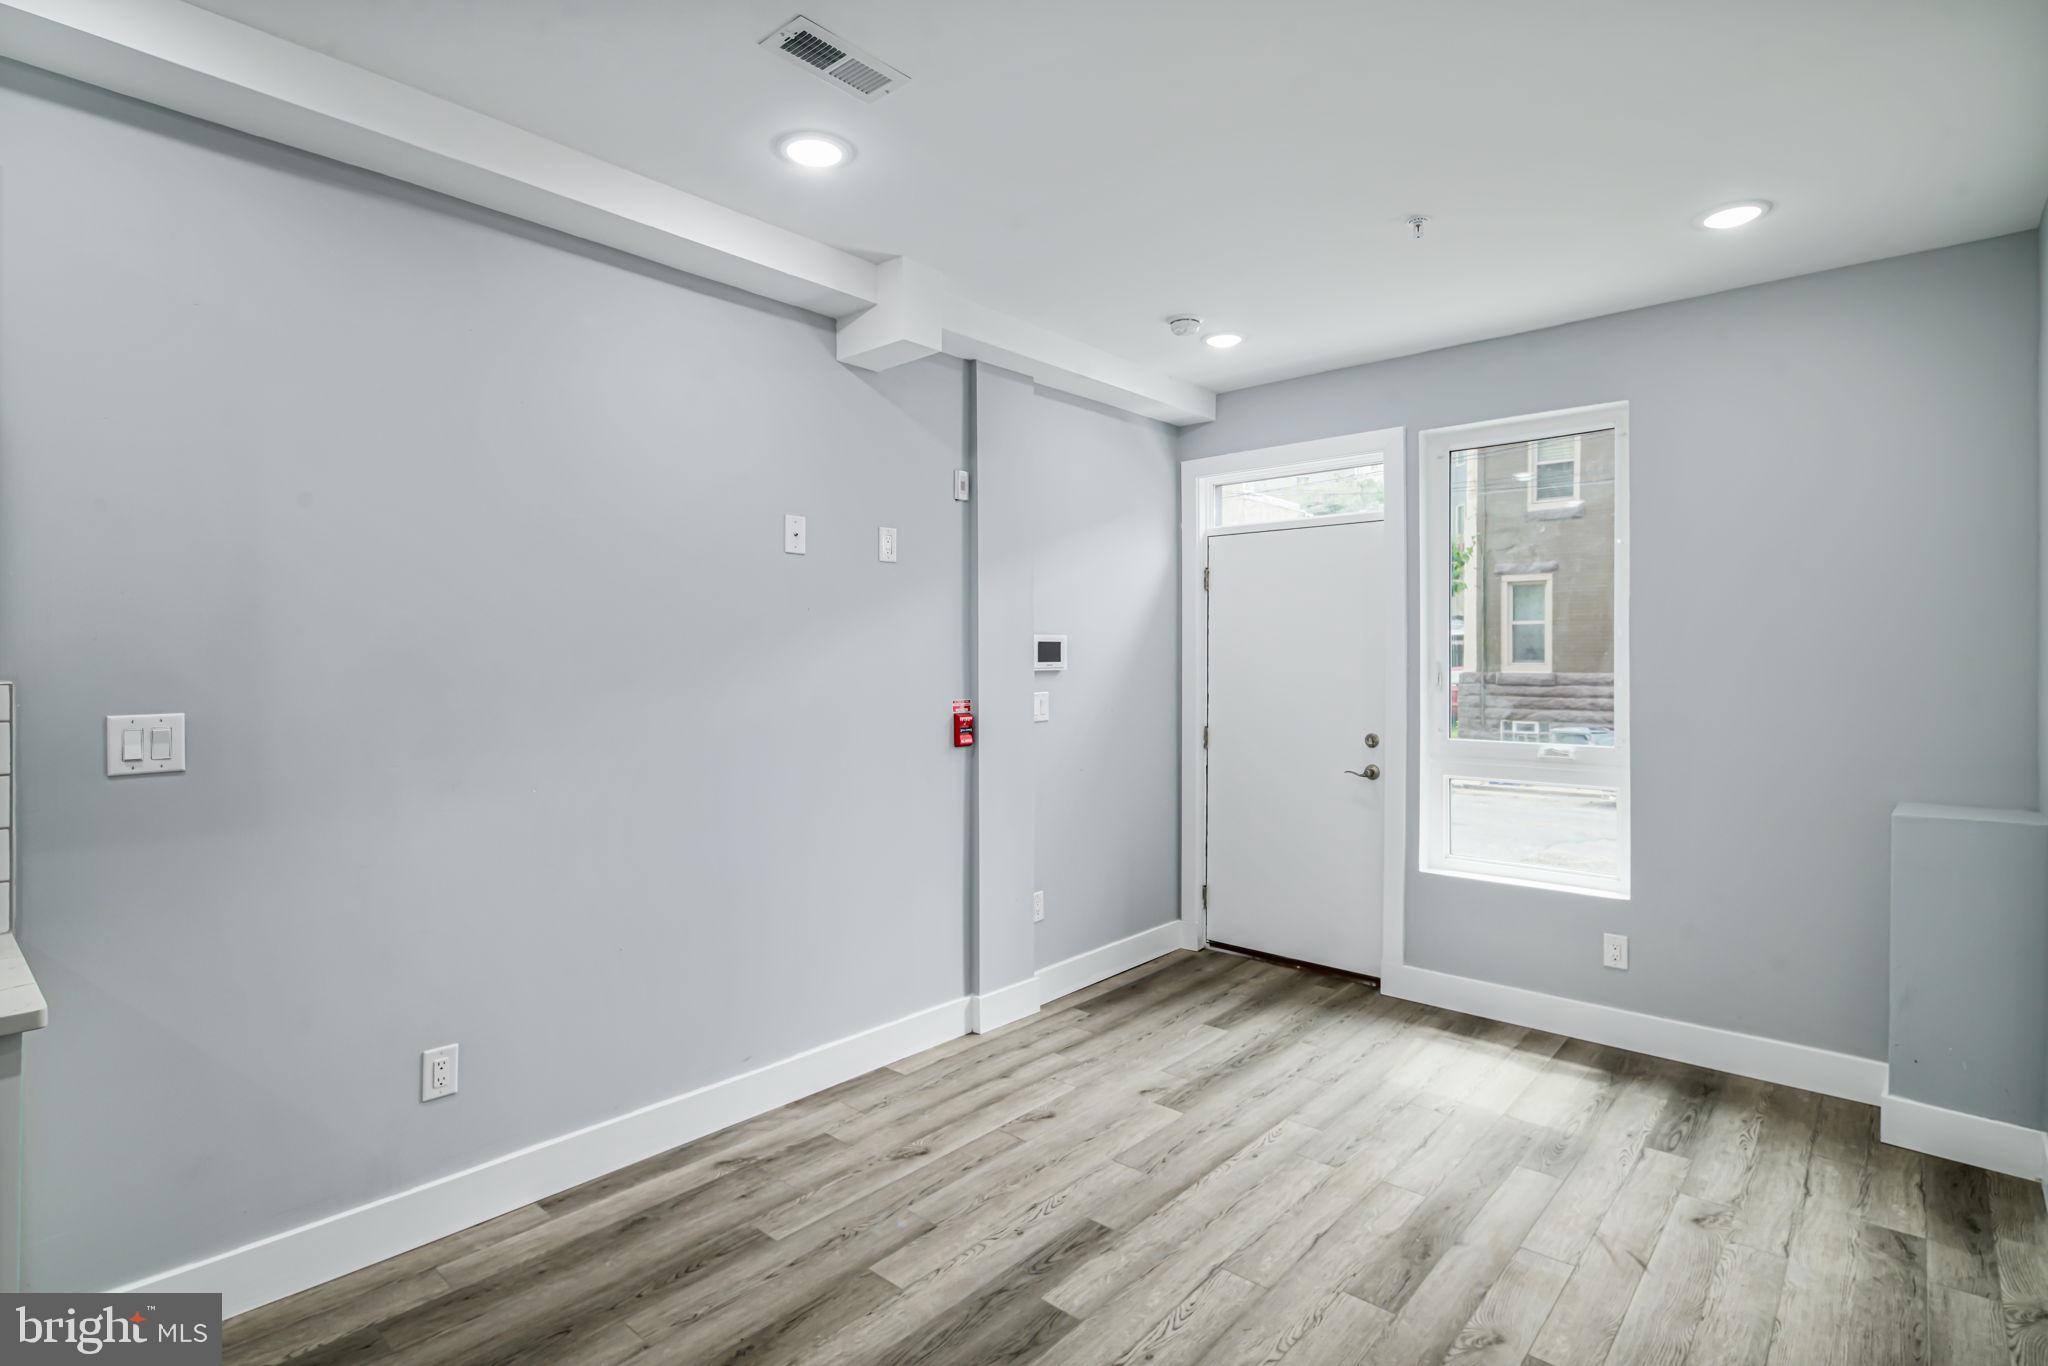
1532, 884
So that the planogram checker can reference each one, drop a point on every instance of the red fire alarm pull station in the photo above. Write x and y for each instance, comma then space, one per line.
963, 723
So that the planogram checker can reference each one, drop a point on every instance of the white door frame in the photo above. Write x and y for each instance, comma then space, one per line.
1197, 478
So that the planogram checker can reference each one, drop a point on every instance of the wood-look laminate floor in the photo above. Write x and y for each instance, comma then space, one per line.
1218, 1160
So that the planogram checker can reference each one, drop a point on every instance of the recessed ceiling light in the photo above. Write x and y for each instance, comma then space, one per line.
1223, 341
1735, 215
815, 151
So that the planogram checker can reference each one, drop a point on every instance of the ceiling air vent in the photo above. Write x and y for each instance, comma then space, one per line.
830, 57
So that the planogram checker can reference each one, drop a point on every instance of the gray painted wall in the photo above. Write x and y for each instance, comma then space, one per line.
1005, 773
510, 723
1104, 502
1969, 1021
1077, 534
1837, 606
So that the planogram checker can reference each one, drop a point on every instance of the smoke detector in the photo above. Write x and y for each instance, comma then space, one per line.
1184, 326
832, 59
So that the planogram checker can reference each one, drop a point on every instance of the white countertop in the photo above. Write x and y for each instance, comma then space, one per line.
22, 1007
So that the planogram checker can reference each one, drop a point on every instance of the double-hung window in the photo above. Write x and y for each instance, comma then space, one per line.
1554, 471
1525, 746
1525, 623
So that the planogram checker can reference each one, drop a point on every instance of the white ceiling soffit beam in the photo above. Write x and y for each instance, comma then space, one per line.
919, 314
200, 63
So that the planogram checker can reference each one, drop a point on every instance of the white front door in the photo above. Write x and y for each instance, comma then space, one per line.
1296, 685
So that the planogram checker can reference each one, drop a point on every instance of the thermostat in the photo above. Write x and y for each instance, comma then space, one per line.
1052, 653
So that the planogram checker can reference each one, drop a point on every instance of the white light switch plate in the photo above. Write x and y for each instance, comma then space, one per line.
139, 744
793, 536
888, 545
960, 486
1041, 706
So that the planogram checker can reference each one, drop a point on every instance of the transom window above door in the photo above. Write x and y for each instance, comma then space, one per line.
1352, 491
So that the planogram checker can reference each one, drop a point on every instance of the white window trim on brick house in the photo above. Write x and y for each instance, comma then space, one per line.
1536, 479
1508, 663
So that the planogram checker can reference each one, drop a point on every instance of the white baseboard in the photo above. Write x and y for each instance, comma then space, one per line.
1086, 969
1190, 934
1724, 1050
286, 1262
2010, 1148
1005, 1005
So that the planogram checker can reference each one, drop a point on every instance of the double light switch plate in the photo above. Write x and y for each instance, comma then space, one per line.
150, 743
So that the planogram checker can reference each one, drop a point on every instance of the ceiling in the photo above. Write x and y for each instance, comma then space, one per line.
1095, 166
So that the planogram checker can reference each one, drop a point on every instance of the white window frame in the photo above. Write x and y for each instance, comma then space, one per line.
1508, 663
1573, 496
1445, 758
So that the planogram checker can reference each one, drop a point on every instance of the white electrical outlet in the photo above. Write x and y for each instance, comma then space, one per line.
437, 1072
1038, 906
793, 538
888, 545
1614, 951
1041, 706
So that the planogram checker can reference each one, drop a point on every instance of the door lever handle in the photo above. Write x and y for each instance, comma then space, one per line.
1370, 773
